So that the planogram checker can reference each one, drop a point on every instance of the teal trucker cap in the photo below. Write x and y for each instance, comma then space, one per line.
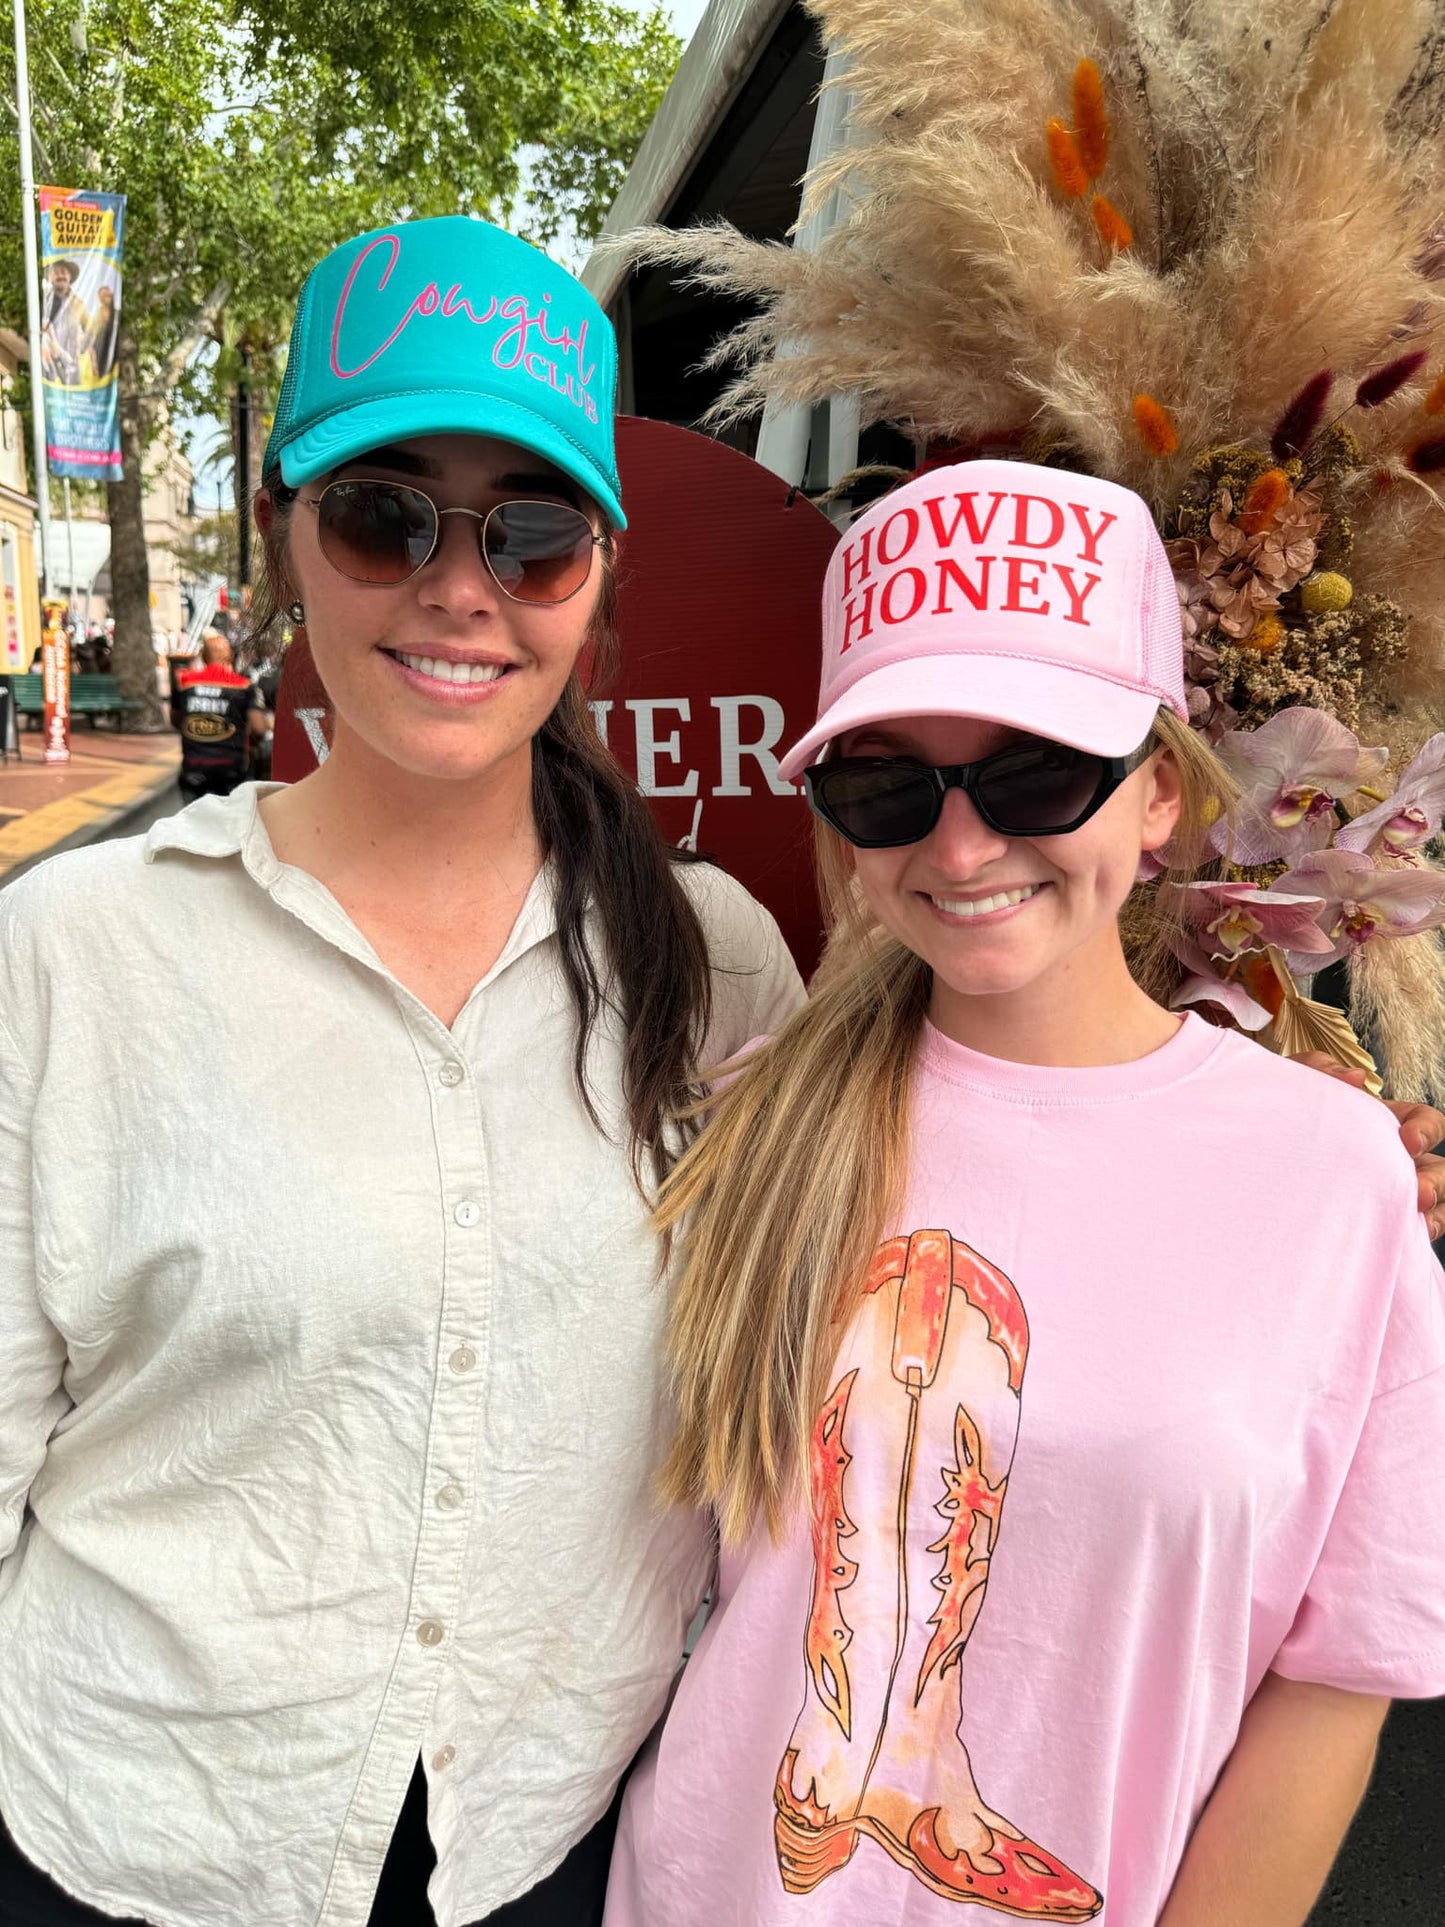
447, 327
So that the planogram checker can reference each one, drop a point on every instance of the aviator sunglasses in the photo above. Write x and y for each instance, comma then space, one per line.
384, 532
1028, 789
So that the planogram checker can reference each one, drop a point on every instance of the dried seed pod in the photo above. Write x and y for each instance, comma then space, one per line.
1155, 425
1071, 177
1091, 123
1114, 231
1390, 379
1297, 426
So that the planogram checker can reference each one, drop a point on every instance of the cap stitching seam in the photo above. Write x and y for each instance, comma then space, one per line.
402, 394
1001, 655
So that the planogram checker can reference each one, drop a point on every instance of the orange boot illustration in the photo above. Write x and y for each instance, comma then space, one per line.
918, 1435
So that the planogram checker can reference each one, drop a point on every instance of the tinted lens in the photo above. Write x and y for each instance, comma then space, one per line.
1037, 787
375, 531
878, 804
538, 551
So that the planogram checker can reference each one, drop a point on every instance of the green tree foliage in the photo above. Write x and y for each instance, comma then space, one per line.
529, 108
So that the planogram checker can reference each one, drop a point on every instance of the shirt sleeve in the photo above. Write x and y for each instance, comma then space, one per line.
1373, 1617
32, 1353
779, 989
756, 986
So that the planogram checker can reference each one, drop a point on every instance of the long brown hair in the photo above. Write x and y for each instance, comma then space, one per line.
610, 861
785, 1196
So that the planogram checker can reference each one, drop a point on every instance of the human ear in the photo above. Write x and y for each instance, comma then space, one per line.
1163, 800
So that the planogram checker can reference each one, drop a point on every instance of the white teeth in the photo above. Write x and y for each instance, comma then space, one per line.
441, 671
980, 906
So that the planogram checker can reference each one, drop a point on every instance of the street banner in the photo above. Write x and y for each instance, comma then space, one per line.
55, 681
80, 249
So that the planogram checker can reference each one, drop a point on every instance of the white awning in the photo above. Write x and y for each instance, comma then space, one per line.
731, 37
92, 552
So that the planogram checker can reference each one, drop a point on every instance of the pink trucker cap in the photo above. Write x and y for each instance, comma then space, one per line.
1019, 595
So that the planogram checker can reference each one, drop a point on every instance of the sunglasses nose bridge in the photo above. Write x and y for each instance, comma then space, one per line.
962, 827
461, 563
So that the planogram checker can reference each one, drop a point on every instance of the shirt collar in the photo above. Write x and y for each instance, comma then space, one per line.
213, 825
230, 826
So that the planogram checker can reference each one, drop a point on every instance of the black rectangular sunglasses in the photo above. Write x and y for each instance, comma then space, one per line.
1034, 788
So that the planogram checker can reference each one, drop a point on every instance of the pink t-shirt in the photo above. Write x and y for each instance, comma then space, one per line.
1145, 1396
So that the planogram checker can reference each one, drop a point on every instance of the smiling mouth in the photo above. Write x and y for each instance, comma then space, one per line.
442, 670
981, 906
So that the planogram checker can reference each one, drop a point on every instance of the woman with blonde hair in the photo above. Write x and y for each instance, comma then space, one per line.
1068, 1376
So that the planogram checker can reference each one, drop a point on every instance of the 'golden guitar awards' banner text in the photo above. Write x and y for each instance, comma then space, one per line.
80, 249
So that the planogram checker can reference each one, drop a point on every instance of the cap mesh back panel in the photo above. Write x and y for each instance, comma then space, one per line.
1163, 628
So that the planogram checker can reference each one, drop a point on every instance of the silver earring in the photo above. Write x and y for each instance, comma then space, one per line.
296, 612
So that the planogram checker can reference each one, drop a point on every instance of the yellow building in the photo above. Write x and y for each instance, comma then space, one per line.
19, 579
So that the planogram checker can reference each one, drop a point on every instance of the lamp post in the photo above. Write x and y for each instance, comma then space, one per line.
32, 290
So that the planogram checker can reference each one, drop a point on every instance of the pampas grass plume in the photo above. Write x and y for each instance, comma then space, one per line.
1155, 425
1114, 231
1296, 427
1091, 123
1435, 400
1387, 381
1263, 498
1070, 175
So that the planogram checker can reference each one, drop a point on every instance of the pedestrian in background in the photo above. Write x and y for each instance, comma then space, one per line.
221, 716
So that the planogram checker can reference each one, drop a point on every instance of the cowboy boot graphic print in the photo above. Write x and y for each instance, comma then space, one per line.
909, 1467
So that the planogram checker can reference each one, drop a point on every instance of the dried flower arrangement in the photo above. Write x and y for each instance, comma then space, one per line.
1200, 251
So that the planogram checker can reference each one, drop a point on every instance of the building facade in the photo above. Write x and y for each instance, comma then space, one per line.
19, 577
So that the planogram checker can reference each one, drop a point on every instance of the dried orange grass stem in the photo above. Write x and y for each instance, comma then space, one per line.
1091, 123
1114, 231
1435, 400
1070, 175
1263, 500
1155, 425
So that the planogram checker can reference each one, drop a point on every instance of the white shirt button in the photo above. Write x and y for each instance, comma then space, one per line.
468, 1213
430, 1632
451, 1075
443, 1758
462, 1359
450, 1497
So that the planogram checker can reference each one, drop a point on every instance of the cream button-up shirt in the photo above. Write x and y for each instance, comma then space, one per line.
330, 1391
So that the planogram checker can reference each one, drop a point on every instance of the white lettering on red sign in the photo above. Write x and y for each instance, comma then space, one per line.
764, 728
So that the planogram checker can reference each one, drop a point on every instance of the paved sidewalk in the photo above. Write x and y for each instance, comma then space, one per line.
49, 807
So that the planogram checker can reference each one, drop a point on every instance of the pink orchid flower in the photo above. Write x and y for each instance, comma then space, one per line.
1225, 921
1408, 819
1363, 900
1228, 919
1291, 772
1207, 987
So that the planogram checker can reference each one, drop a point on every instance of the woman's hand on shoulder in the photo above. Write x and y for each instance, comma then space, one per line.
1421, 1129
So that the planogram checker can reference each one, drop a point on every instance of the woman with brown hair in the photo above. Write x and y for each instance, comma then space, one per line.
327, 1520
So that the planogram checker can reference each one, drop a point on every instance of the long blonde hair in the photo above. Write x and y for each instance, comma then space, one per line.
782, 1201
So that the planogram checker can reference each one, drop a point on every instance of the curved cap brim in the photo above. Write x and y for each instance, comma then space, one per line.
351, 432
1063, 705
